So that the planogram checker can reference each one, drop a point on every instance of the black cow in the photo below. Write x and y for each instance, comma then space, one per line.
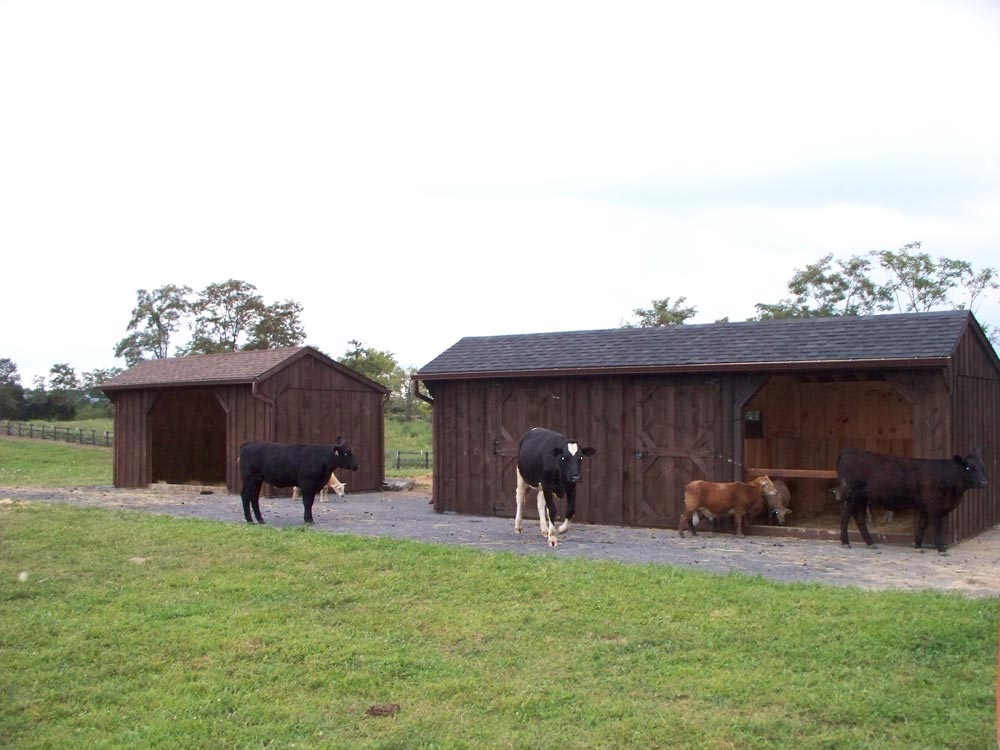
932, 486
551, 464
283, 465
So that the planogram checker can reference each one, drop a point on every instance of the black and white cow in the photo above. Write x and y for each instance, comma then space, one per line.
284, 465
551, 464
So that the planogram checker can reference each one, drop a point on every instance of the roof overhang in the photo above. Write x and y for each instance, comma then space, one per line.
932, 363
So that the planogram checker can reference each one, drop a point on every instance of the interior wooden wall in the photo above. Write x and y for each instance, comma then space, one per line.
806, 424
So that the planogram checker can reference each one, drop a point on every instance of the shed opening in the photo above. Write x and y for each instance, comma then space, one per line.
804, 422
188, 437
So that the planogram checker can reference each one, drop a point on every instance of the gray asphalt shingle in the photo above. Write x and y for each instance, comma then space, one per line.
870, 340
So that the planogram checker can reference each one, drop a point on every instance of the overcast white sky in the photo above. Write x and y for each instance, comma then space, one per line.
416, 172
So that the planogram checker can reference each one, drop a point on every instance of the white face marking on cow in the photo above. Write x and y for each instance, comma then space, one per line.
573, 448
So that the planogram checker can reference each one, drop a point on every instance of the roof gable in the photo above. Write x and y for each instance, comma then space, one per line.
911, 339
227, 368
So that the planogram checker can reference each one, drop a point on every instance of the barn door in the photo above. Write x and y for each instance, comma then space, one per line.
521, 406
677, 441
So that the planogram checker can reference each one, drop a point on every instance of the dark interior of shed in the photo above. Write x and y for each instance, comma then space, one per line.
798, 424
188, 429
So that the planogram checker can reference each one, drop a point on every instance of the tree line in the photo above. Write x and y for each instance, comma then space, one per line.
904, 280
232, 316
226, 316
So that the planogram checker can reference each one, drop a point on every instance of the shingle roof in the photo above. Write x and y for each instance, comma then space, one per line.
218, 369
914, 339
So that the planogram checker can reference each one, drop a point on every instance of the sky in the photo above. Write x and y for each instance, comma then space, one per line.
416, 172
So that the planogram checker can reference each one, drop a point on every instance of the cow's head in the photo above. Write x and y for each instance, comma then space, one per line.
973, 470
570, 457
343, 456
772, 498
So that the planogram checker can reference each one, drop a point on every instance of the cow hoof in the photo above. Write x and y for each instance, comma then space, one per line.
553, 541
517, 530
943, 553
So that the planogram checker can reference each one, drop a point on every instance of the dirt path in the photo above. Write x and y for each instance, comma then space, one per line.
972, 567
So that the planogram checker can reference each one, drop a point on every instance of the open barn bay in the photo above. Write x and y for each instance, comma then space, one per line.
124, 630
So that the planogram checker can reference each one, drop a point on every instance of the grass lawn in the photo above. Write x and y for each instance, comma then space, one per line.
122, 630
47, 463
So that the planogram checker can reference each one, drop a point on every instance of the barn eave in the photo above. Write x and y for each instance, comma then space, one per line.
915, 363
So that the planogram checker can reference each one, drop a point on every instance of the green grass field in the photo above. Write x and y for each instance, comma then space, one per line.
46, 463
119, 630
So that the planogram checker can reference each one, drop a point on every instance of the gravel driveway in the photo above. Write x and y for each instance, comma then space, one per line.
972, 568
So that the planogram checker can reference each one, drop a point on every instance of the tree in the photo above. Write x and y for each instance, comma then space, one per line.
922, 282
93, 402
279, 325
155, 318
62, 377
230, 315
377, 365
820, 291
662, 313
224, 315
11, 391
912, 281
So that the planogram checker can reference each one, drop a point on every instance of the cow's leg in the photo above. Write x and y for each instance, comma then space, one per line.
845, 513
738, 517
543, 512
859, 510
570, 508
686, 520
250, 494
546, 512
308, 498
938, 521
918, 534
522, 490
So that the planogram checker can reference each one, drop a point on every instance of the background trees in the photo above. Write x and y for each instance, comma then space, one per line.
225, 316
382, 367
62, 396
904, 280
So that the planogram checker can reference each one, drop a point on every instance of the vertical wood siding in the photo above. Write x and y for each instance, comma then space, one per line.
175, 434
975, 401
653, 434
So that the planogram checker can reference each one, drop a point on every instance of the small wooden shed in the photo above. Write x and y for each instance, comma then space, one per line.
182, 419
665, 406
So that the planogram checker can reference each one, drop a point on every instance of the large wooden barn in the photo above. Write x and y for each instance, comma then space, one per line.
664, 406
182, 420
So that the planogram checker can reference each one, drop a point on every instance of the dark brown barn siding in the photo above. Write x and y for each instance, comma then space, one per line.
655, 432
976, 396
179, 431
132, 456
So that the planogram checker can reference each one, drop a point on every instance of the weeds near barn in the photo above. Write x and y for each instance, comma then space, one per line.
134, 631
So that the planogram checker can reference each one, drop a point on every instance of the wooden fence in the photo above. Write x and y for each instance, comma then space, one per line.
409, 459
79, 435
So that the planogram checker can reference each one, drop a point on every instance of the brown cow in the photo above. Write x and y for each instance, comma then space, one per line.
777, 504
718, 499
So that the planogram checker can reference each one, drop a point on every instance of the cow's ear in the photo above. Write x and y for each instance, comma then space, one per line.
960, 461
589, 451
557, 451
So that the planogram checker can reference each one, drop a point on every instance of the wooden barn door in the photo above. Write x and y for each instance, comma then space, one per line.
519, 407
678, 436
